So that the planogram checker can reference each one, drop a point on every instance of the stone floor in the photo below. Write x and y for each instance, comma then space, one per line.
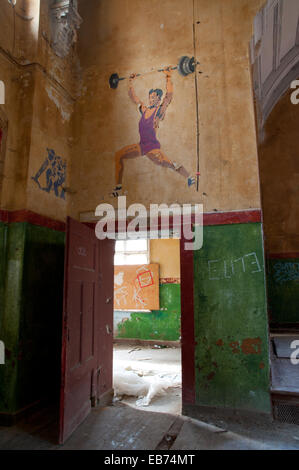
159, 426
121, 427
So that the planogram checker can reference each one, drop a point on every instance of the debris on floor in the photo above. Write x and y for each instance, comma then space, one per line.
163, 363
143, 385
134, 349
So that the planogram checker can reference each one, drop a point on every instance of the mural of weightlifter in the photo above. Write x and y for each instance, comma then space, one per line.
151, 115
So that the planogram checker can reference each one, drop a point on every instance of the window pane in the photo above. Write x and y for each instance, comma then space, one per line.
119, 246
136, 245
136, 259
119, 259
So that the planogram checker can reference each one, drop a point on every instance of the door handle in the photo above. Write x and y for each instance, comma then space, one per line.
108, 300
108, 329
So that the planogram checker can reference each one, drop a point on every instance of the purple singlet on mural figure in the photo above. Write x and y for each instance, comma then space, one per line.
147, 131
149, 144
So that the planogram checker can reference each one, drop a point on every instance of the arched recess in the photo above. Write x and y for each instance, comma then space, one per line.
275, 59
3, 139
279, 179
274, 55
275, 65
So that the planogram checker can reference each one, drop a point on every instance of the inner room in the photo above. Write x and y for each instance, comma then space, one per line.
119, 118
147, 325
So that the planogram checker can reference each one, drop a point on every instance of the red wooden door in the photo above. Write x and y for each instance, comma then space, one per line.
85, 309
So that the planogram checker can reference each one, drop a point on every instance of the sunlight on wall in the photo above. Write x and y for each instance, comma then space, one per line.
32, 9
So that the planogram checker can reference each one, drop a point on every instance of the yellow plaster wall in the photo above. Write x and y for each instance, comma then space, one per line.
40, 96
138, 35
66, 104
167, 254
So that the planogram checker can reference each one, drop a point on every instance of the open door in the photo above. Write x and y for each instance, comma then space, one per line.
87, 337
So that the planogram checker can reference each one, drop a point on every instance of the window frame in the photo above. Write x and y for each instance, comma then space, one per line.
127, 253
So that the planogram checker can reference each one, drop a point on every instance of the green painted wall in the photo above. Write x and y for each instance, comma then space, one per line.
3, 248
10, 323
163, 324
32, 315
231, 324
283, 290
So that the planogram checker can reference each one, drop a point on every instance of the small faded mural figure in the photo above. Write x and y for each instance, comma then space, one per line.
53, 174
149, 146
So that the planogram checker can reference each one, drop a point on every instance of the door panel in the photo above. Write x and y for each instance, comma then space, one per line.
81, 325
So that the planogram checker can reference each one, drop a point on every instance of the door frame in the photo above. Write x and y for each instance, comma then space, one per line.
187, 308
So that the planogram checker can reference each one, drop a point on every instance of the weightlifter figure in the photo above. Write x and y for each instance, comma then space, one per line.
149, 145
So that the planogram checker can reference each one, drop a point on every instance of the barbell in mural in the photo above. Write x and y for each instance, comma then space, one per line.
151, 115
185, 67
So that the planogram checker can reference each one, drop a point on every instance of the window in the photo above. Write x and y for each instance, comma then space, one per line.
65, 22
131, 252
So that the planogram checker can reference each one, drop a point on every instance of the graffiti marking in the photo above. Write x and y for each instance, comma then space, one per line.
54, 171
285, 272
218, 269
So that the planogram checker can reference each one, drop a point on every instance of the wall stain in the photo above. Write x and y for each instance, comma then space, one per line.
252, 346
235, 347
211, 376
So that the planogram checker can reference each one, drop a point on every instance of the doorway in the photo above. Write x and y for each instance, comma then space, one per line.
147, 325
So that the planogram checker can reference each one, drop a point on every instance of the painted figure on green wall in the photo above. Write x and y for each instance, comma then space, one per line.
149, 146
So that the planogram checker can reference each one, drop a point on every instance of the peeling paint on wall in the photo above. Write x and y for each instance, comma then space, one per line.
65, 21
53, 95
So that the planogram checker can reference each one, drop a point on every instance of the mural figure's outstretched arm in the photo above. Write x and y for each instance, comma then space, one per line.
169, 94
132, 94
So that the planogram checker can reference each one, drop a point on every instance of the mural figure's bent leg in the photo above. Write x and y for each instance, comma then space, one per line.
130, 151
159, 158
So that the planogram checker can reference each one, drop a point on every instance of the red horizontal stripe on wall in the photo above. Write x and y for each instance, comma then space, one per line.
4, 216
234, 217
215, 218
170, 280
32, 218
282, 255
